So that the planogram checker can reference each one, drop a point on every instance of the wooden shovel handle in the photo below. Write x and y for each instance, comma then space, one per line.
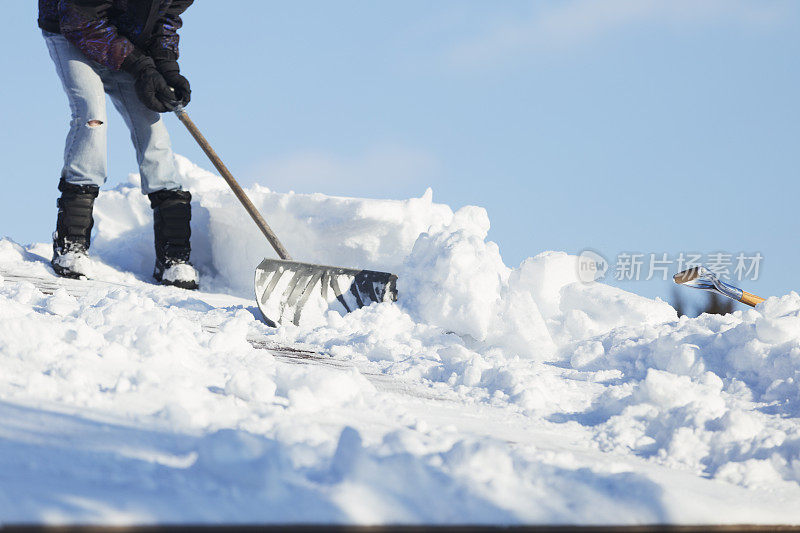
751, 299
234, 185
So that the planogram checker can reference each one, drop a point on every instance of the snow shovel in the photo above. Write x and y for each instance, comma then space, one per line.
701, 278
284, 288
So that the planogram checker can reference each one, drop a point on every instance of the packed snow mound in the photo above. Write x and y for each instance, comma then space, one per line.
450, 276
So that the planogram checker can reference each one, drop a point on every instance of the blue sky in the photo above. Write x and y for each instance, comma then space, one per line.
622, 125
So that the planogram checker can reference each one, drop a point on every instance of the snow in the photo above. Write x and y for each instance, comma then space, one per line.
76, 262
180, 272
487, 394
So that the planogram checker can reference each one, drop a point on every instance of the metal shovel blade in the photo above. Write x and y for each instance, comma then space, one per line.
286, 290
701, 278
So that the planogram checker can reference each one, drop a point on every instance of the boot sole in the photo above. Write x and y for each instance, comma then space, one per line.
188, 285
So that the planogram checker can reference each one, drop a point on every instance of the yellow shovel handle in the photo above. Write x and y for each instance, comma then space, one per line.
751, 299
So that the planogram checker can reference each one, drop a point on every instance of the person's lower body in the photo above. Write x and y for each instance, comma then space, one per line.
86, 83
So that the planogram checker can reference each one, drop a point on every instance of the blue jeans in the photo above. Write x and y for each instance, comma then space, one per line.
86, 83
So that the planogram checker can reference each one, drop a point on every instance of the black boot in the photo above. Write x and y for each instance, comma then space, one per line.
73, 229
172, 211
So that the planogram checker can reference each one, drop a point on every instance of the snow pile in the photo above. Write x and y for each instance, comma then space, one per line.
227, 245
151, 367
716, 395
451, 279
232, 434
487, 394
449, 275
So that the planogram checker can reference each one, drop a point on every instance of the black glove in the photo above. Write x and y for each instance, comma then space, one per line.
167, 64
172, 73
151, 87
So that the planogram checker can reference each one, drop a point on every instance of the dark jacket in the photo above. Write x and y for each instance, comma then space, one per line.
108, 31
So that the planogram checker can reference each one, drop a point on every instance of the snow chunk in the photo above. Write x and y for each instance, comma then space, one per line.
180, 272
61, 303
79, 263
453, 278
